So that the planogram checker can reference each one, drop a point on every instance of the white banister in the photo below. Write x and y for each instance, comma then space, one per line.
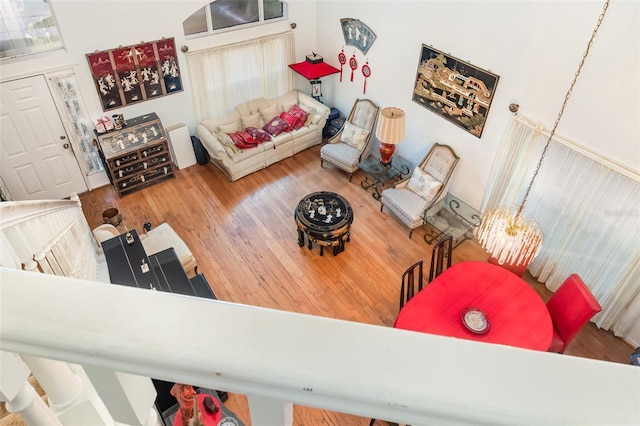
338, 365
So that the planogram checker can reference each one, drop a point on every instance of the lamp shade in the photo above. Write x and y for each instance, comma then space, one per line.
391, 125
313, 71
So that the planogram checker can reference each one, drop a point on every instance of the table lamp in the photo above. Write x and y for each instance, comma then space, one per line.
390, 131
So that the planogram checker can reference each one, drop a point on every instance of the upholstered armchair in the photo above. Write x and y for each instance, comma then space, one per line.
347, 147
424, 190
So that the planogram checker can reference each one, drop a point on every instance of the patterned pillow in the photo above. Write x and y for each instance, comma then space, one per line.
353, 135
258, 135
290, 118
243, 140
276, 126
301, 114
423, 184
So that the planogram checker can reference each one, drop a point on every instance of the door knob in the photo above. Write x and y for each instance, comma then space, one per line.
65, 146
63, 137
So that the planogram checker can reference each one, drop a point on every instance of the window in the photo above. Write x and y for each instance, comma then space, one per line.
229, 14
27, 27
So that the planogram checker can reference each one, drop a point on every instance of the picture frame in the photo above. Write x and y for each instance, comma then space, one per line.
356, 33
454, 89
131, 74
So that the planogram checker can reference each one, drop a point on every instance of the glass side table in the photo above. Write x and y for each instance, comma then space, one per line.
377, 175
455, 218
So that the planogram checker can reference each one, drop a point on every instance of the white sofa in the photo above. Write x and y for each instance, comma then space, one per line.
243, 162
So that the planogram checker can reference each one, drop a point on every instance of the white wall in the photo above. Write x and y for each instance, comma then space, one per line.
534, 47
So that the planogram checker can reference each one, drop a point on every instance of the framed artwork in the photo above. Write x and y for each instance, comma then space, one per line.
357, 33
454, 89
131, 74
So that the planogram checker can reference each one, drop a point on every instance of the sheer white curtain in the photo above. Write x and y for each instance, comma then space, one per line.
589, 210
225, 76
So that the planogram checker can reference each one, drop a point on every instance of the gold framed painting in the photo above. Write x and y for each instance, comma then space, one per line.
455, 90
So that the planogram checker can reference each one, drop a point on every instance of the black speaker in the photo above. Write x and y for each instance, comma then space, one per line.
202, 156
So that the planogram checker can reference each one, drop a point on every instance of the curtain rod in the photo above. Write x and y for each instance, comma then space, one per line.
239, 43
587, 152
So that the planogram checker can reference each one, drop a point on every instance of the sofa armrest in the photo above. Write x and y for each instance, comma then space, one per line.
211, 143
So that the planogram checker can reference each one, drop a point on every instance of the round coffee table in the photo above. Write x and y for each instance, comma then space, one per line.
326, 218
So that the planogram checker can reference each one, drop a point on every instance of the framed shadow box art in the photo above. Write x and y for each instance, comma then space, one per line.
131, 74
454, 89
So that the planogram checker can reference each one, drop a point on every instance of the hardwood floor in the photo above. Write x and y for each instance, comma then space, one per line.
244, 238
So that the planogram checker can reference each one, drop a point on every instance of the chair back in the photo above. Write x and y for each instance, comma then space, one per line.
571, 307
411, 282
440, 163
440, 256
364, 114
105, 232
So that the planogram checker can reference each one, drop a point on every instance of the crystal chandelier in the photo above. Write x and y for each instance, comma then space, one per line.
508, 236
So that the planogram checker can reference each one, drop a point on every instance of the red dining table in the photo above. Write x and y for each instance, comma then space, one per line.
516, 314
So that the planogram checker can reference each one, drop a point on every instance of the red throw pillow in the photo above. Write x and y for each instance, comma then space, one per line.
259, 135
276, 126
291, 119
301, 114
243, 140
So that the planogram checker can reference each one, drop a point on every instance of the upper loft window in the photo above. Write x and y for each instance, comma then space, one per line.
27, 27
226, 14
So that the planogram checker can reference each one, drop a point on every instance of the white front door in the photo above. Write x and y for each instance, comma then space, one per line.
36, 158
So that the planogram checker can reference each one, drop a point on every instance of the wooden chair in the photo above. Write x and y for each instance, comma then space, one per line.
441, 253
422, 194
347, 147
411, 278
570, 307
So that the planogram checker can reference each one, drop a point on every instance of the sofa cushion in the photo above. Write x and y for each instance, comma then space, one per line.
423, 184
243, 140
353, 135
226, 141
313, 118
229, 127
258, 134
301, 115
290, 118
276, 126
269, 112
251, 120
288, 99
286, 106
252, 107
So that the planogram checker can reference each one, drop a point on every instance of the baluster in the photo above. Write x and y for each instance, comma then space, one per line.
19, 395
69, 398
8, 256
44, 264
270, 411
21, 247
